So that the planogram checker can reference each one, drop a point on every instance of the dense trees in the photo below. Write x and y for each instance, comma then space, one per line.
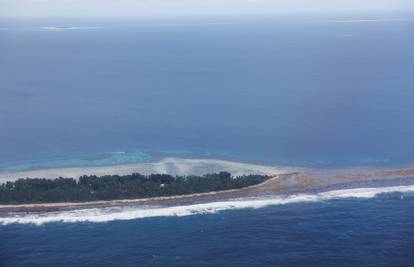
109, 187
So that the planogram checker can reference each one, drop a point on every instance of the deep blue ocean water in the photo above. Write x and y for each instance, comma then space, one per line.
350, 232
288, 91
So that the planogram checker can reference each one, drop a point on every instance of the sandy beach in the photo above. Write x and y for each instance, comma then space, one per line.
173, 166
225, 194
279, 184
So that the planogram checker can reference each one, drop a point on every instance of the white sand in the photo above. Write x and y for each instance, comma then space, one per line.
173, 166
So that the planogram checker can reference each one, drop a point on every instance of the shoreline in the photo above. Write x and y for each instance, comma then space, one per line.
169, 165
280, 184
140, 201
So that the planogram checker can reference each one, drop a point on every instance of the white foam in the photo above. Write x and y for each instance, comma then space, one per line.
173, 166
131, 213
371, 20
54, 28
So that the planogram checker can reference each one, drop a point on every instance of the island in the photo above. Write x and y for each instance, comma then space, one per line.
115, 187
93, 191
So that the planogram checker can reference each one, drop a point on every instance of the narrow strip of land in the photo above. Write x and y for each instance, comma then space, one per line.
278, 184
144, 201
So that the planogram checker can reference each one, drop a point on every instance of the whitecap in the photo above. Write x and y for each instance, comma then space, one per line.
371, 20
56, 28
134, 212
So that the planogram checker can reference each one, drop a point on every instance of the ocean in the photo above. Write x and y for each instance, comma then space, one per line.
316, 92
341, 232
299, 91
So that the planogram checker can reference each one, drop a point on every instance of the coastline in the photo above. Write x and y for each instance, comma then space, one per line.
170, 165
214, 195
284, 184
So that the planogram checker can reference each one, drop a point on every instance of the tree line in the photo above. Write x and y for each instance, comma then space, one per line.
111, 187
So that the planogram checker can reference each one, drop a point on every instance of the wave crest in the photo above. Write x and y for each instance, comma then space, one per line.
135, 212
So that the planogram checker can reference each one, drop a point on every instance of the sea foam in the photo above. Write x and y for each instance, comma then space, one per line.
372, 20
135, 212
55, 28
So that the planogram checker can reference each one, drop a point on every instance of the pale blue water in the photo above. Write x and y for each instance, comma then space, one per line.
293, 91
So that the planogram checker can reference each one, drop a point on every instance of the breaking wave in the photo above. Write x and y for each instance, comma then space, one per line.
135, 212
55, 28
371, 20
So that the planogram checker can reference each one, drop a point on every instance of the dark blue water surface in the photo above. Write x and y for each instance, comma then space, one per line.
350, 232
292, 91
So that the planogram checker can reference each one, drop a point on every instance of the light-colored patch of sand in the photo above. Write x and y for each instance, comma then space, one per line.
173, 166
396, 173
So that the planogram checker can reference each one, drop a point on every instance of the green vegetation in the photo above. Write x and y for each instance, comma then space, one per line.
111, 187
